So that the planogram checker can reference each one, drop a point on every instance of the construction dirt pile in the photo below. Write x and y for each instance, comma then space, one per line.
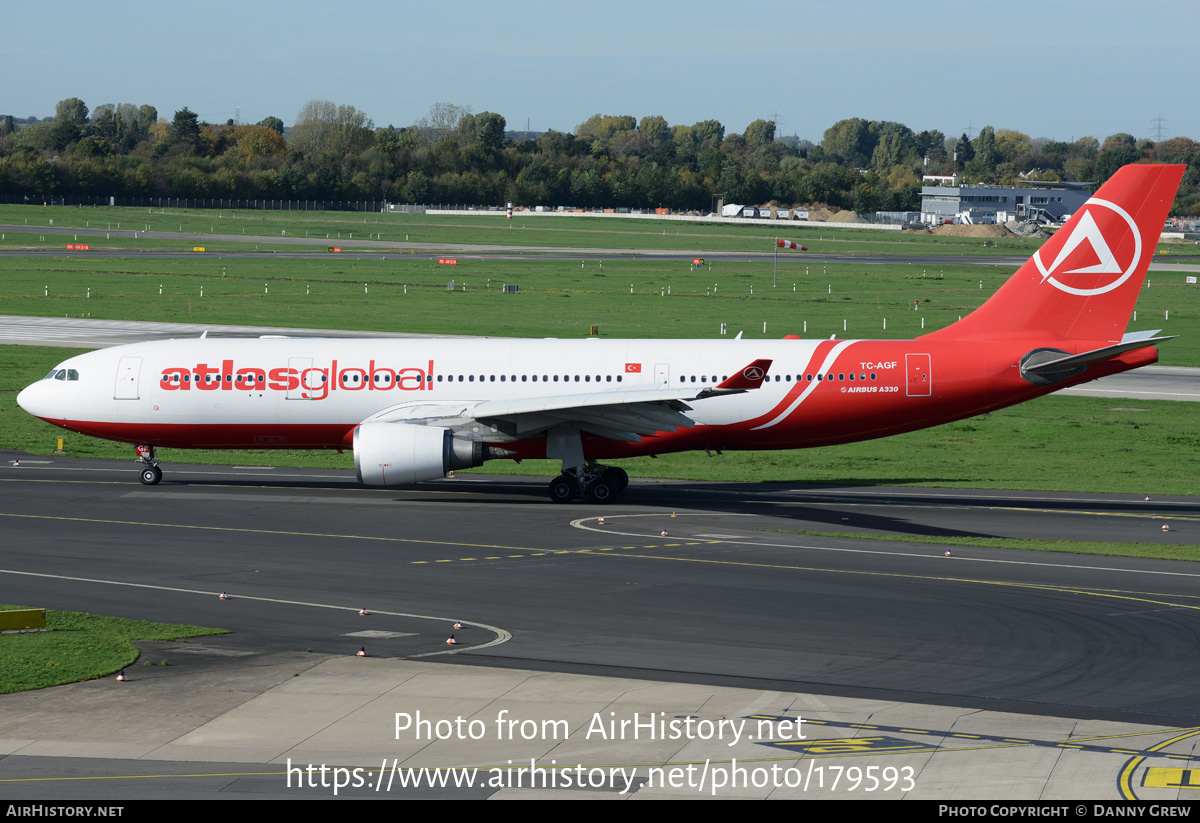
844, 216
973, 231
817, 212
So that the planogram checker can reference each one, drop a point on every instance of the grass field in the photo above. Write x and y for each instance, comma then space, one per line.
493, 229
1159, 551
557, 298
79, 646
490, 228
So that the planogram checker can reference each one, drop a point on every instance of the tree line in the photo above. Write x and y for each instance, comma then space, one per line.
454, 155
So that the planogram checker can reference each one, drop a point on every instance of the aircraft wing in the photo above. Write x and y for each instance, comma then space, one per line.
625, 415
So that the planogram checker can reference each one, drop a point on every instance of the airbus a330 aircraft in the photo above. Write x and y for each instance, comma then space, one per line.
413, 410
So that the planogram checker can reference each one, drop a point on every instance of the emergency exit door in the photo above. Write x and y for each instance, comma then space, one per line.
128, 373
920, 379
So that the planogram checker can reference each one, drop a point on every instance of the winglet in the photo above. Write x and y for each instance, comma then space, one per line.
751, 377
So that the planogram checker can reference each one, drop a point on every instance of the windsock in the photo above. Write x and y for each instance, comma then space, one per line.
788, 244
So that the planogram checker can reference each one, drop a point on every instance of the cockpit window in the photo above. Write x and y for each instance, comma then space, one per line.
72, 374
62, 375
53, 373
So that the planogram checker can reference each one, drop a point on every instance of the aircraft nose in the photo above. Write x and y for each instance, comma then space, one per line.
33, 399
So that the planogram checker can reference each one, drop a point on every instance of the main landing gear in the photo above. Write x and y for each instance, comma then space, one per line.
591, 481
150, 472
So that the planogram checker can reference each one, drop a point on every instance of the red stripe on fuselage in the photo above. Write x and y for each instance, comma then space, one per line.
219, 435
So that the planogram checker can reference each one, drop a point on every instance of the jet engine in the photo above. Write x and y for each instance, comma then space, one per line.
391, 454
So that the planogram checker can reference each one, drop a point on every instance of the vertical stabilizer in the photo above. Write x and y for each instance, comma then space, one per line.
1083, 282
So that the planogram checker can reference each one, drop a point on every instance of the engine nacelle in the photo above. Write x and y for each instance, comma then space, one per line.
390, 454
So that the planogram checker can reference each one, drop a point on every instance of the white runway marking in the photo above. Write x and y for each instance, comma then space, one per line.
502, 636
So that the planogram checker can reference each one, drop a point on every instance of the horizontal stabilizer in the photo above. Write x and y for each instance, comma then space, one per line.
1070, 360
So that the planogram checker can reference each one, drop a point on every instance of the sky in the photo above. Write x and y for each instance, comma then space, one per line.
1062, 69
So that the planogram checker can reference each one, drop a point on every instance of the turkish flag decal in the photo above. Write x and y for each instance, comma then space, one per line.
633, 368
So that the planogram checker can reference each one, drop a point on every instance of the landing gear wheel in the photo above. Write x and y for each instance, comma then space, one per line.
603, 490
563, 489
151, 475
618, 476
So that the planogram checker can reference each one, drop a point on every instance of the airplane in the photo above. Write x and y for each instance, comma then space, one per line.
413, 410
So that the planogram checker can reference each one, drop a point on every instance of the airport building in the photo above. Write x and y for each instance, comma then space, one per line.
1043, 202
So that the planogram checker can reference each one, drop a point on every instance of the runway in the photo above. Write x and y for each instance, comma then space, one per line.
74, 332
685, 588
835, 615
361, 249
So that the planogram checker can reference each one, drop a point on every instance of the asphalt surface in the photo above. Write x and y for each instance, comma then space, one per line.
684, 588
721, 598
81, 333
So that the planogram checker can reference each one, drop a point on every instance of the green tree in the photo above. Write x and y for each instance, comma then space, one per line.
760, 133
964, 152
185, 128
416, 187
260, 141
1011, 144
983, 165
654, 129
147, 116
708, 130
931, 144
603, 127
442, 121
273, 123
853, 140
72, 110
489, 129
322, 126
386, 140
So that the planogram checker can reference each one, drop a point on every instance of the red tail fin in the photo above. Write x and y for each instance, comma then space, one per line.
1083, 282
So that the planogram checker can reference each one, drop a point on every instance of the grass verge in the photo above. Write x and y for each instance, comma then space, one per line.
78, 646
1156, 551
